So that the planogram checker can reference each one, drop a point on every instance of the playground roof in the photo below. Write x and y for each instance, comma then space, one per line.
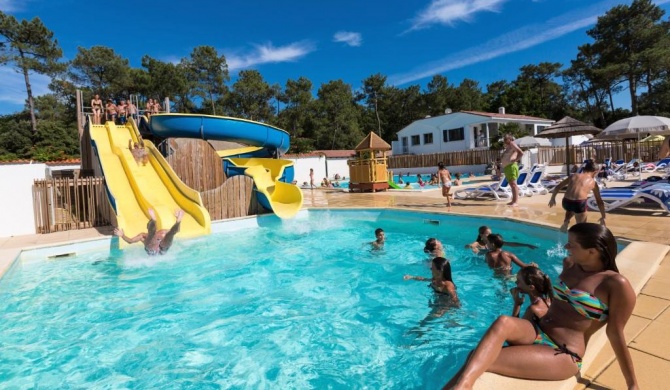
373, 142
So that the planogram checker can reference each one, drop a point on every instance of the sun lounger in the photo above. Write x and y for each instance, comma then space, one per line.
663, 165
621, 197
500, 190
534, 183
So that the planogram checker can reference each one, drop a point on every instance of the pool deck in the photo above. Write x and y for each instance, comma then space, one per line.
646, 265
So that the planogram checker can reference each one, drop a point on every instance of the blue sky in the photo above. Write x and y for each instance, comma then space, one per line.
408, 41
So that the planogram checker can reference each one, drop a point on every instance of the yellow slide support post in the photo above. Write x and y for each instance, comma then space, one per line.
285, 199
136, 187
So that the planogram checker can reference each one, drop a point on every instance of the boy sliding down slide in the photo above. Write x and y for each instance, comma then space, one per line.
155, 242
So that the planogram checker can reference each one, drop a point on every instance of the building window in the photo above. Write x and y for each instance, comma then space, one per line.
428, 138
416, 140
452, 135
456, 134
529, 129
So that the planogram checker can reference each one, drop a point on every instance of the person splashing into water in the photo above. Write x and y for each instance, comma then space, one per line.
155, 242
591, 294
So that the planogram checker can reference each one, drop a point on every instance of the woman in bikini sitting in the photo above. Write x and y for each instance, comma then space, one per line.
96, 106
591, 294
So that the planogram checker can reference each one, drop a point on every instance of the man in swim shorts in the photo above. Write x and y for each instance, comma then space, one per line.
444, 178
574, 201
155, 242
511, 155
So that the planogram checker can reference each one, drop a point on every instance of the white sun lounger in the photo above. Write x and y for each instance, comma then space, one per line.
620, 197
499, 191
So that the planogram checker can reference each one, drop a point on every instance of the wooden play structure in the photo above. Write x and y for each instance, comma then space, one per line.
368, 171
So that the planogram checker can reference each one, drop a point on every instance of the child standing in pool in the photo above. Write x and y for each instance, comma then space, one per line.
444, 180
482, 240
442, 284
536, 284
434, 248
380, 239
499, 260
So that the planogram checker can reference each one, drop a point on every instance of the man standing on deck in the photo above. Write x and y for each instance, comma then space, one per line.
511, 155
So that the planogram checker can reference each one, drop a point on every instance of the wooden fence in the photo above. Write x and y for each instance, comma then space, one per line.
467, 157
196, 163
234, 198
70, 204
199, 166
618, 150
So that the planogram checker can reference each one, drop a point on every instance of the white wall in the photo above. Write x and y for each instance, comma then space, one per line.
303, 164
337, 165
16, 198
321, 165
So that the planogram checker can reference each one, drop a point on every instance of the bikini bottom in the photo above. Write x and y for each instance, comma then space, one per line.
543, 339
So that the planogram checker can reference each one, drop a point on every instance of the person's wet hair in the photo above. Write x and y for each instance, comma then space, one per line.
441, 264
440, 165
379, 230
496, 240
592, 235
533, 276
589, 166
482, 230
431, 245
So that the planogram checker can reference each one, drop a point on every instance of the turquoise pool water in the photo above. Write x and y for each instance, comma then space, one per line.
302, 303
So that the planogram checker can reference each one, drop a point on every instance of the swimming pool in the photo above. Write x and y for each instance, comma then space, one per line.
301, 303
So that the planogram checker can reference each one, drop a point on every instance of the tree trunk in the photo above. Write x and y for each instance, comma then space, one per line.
609, 93
632, 84
379, 122
211, 99
31, 103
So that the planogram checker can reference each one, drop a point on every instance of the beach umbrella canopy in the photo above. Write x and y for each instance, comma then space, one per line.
635, 126
567, 127
653, 138
531, 142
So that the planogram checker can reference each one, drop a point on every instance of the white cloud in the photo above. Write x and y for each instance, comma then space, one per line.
348, 37
9, 6
516, 40
13, 86
447, 12
265, 54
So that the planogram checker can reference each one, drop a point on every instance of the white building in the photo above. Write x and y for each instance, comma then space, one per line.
458, 131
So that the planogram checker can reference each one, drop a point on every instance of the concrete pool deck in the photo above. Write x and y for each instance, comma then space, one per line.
646, 263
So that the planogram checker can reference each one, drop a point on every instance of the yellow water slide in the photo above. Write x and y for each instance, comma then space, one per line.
135, 187
285, 199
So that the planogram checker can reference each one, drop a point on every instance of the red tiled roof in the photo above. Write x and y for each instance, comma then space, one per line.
507, 116
71, 161
327, 153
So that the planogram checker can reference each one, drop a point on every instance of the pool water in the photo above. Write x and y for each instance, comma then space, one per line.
302, 303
